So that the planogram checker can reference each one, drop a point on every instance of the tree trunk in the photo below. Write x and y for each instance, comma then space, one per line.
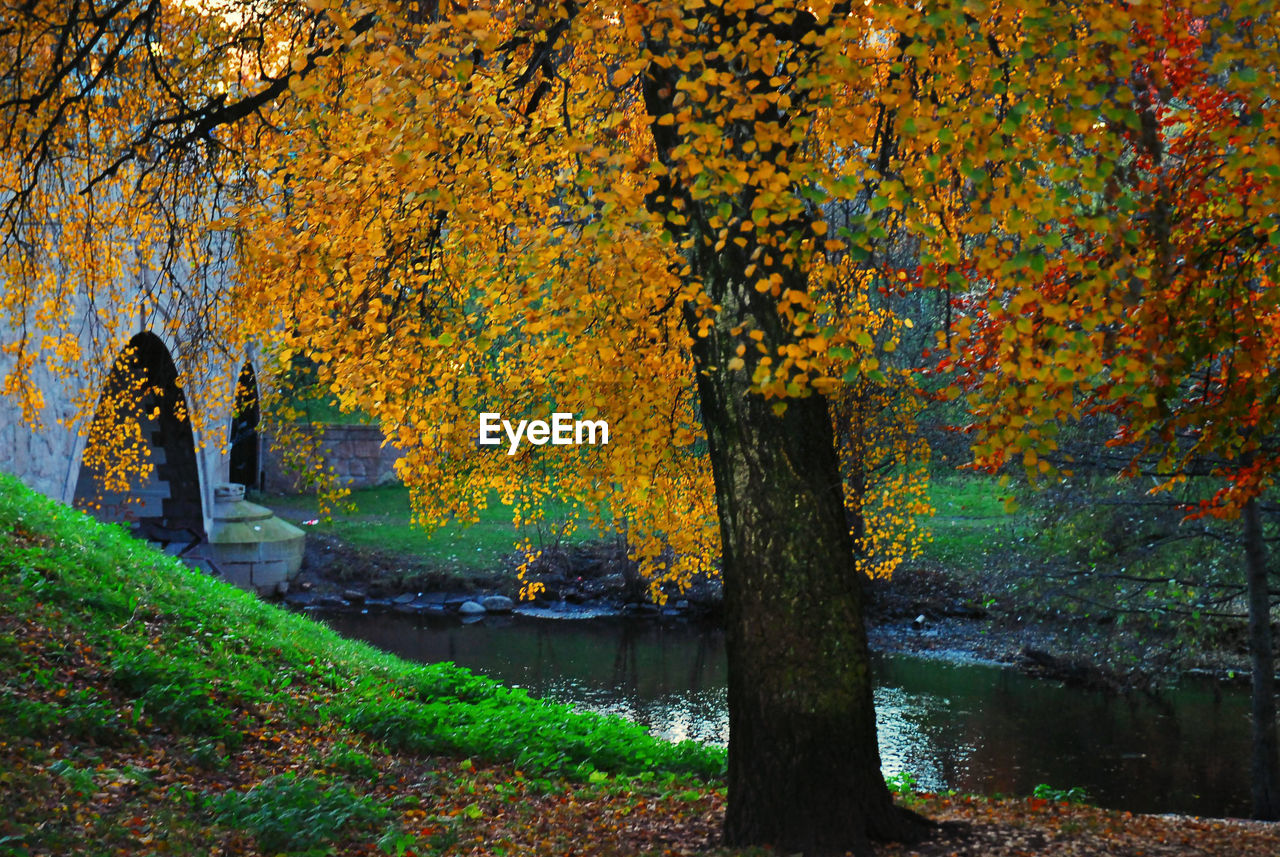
804, 763
1266, 760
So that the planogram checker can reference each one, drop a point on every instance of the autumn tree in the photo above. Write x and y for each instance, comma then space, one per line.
628, 210
617, 211
593, 205
1149, 298
490, 213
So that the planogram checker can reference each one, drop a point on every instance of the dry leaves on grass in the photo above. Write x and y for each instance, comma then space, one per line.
977, 827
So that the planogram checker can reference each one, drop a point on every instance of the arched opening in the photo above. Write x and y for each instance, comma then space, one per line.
245, 463
139, 463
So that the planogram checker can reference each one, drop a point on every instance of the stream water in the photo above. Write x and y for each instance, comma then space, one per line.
970, 727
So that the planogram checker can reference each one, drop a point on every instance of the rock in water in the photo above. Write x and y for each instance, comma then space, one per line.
498, 604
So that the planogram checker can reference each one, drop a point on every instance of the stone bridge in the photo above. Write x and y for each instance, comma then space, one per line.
194, 448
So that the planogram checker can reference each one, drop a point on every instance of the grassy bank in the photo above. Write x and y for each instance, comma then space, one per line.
971, 527
973, 521
148, 706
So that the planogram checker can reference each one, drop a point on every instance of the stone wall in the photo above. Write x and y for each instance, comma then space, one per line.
356, 453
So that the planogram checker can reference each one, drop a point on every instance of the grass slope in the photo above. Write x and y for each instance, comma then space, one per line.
140, 696
972, 522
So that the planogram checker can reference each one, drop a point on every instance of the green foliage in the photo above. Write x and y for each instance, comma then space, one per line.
352, 762
83, 714
10, 651
901, 783
454, 711
172, 694
78, 780
196, 653
1075, 794
79, 714
288, 813
210, 754
26, 718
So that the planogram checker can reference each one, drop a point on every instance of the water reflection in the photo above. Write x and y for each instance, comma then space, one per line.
968, 727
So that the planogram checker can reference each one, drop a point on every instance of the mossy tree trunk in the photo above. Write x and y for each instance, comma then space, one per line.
804, 763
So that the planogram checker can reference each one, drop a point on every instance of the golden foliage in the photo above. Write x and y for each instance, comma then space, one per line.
503, 208
460, 231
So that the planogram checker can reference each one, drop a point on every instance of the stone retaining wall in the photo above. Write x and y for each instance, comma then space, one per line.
356, 453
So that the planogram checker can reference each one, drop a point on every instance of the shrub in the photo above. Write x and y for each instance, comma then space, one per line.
172, 695
290, 813
1075, 794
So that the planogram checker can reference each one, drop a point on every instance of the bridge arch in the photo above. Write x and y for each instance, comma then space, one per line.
142, 423
244, 457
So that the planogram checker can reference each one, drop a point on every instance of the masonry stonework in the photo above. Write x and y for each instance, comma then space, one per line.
357, 453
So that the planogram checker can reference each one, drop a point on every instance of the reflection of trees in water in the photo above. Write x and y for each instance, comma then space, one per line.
698, 666
1180, 749
989, 730
668, 679
544, 651
626, 670
653, 660
971, 728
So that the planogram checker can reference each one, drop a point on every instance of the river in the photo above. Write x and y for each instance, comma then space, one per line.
965, 726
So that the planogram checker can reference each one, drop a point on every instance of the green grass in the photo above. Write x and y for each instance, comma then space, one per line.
329, 413
118, 663
972, 520
382, 521
186, 648
292, 813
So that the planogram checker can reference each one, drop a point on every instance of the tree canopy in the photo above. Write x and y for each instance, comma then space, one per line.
690, 219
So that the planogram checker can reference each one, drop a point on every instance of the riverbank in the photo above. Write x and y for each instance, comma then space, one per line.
990, 586
148, 708
925, 609
151, 710
994, 616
